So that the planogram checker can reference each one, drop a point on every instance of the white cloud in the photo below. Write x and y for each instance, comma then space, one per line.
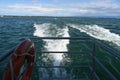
94, 8
29, 9
34, 8
98, 8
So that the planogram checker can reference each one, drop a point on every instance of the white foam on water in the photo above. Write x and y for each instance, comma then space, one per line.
43, 30
98, 33
40, 30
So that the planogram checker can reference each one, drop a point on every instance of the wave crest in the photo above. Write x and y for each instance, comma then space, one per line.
98, 32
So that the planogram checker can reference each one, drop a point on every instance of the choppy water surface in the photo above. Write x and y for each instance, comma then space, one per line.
14, 30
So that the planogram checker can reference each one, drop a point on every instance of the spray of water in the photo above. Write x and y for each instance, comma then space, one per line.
51, 30
98, 33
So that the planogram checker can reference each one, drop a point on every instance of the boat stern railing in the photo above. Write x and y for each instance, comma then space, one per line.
95, 61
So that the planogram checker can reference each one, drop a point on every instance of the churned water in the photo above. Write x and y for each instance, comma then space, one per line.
15, 29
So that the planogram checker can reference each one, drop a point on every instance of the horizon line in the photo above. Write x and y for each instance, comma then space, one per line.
58, 16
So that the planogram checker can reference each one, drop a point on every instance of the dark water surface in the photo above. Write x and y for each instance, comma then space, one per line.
15, 29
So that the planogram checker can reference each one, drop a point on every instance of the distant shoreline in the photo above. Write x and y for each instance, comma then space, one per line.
59, 16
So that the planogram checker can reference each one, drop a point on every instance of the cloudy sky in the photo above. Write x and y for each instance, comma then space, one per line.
60, 7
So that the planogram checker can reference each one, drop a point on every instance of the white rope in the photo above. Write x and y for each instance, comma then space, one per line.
24, 54
11, 70
11, 65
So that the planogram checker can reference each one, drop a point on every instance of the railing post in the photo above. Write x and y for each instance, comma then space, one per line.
93, 61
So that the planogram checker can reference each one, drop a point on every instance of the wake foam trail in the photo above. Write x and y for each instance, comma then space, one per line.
51, 30
98, 33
